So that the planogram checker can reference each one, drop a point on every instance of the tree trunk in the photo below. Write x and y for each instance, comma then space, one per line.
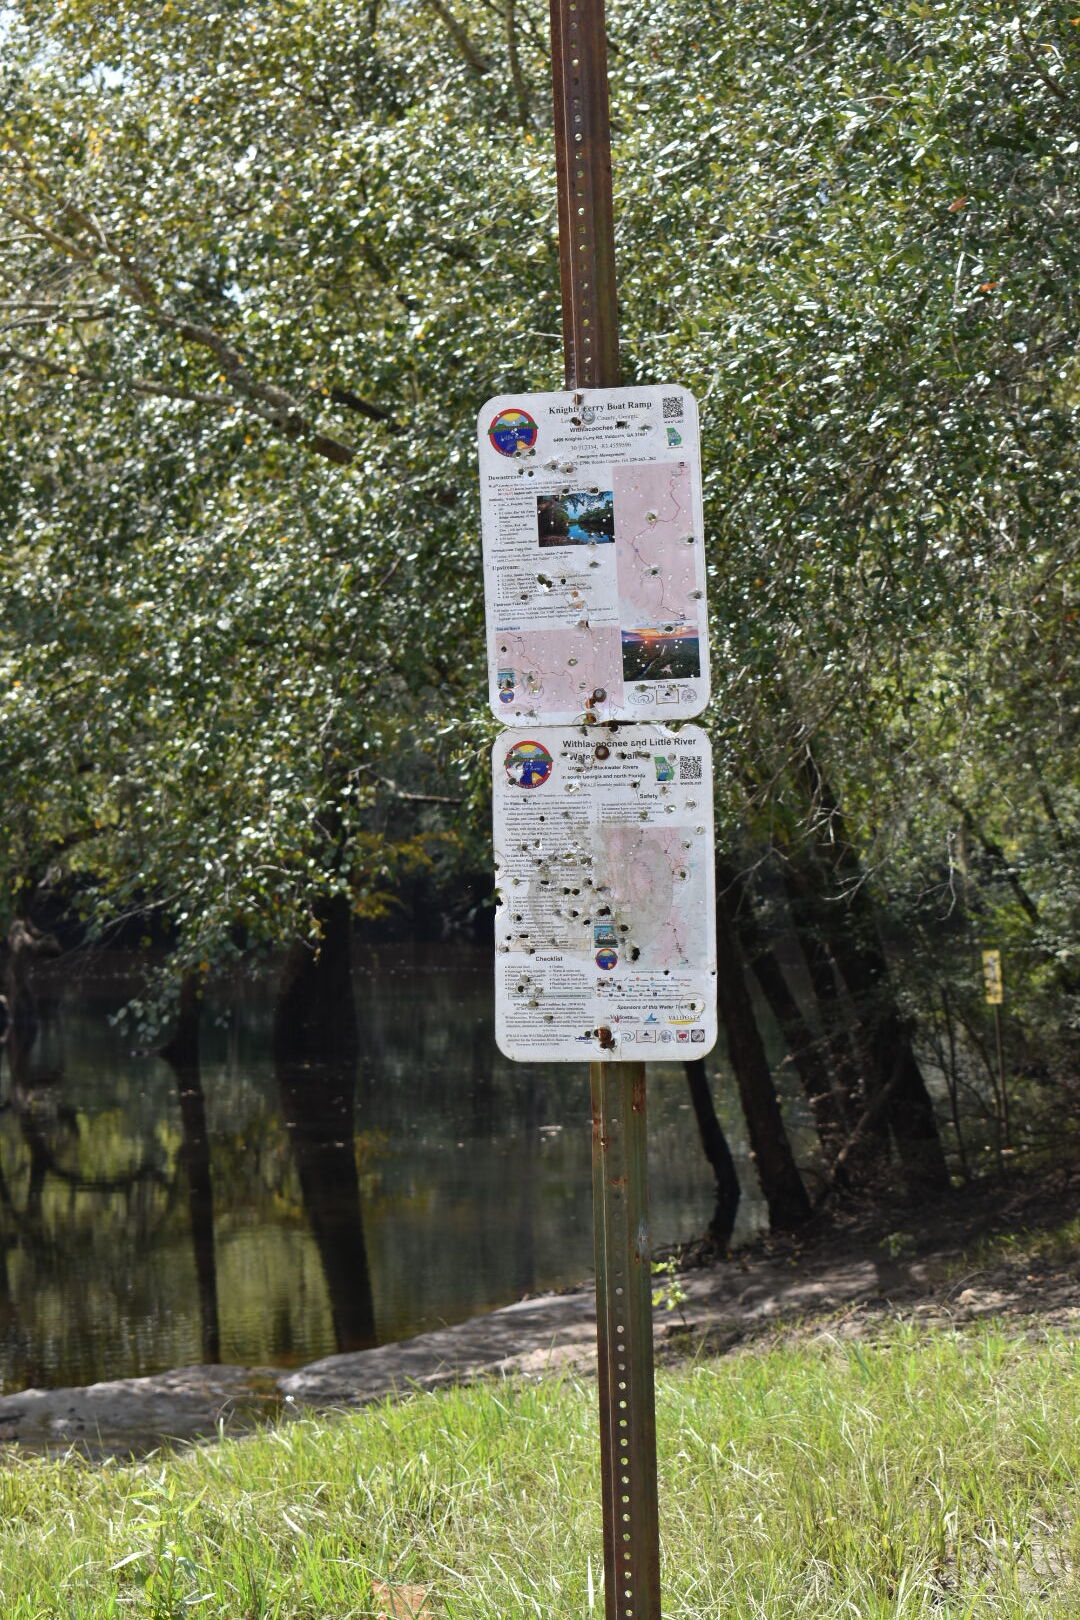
181, 1052
892, 1067
319, 1104
717, 1152
25, 944
781, 1183
813, 923
316, 1047
314, 1014
804, 1046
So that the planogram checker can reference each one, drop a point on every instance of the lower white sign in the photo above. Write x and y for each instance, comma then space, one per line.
605, 932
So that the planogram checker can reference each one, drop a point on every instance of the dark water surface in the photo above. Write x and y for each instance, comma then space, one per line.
473, 1182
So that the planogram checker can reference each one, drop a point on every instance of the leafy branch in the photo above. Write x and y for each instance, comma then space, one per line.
84, 241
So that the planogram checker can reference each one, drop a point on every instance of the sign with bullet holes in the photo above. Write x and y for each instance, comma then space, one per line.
594, 562
605, 927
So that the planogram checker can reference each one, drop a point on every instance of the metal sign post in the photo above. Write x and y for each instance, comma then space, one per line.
620, 1201
995, 996
624, 1342
583, 175
594, 587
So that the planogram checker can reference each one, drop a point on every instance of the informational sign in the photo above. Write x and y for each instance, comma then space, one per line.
605, 931
594, 558
995, 986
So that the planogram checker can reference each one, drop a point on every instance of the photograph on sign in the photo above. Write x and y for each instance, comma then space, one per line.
594, 557
605, 934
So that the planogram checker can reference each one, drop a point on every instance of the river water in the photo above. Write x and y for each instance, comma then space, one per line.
130, 1243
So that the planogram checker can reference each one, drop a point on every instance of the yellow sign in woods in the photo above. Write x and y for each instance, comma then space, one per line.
995, 989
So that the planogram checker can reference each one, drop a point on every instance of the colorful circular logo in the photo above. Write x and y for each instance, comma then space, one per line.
528, 764
607, 960
506, 697
512, 431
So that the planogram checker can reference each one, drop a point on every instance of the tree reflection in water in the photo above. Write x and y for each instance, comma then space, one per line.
318, 1103
182, 1054
49, 1132
316, 1050
331, 1201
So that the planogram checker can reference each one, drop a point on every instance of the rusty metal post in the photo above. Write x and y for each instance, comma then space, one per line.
620, 1200
624, 1343
583, 174
1006, 1133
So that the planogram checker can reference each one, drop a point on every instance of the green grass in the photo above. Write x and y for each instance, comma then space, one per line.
1057, 1245
933, 1475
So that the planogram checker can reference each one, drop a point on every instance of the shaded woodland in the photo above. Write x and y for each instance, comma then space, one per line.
257, 270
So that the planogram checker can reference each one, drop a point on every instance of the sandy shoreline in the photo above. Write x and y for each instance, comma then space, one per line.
845, 1282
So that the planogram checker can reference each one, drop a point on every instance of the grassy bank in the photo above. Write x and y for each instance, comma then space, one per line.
931, 1475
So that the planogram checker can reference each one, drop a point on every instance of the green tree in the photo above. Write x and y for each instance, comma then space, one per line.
261, 264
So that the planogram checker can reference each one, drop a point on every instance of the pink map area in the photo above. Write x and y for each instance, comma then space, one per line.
556, 671
657, 563
646, 872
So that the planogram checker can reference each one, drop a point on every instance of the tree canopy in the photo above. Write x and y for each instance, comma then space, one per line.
260, 265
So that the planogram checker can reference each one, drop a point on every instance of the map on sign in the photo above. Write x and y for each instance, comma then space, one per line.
594, 558
605, 927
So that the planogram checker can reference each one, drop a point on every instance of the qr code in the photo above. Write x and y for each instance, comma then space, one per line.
673, 407
690, 769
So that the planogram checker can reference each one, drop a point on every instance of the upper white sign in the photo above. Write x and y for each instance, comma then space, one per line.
594, 557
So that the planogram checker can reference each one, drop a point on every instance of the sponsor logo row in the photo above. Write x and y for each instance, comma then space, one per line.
693, 1036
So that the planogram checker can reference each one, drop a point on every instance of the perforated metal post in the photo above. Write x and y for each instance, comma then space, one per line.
620, 1199
583, 174
624, 1343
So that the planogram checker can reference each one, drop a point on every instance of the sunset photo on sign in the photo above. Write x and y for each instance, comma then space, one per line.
660, 653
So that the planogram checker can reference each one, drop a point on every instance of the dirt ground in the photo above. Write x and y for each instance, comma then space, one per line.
1002, 1250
